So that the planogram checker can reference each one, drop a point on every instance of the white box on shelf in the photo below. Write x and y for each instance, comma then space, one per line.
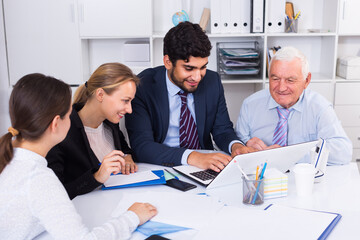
135, 51
348, 67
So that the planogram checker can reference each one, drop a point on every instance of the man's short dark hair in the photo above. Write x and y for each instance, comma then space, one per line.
185, 40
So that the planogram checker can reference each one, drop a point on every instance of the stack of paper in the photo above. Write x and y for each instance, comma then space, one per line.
238, 60
239, 63
275, 184
239, 53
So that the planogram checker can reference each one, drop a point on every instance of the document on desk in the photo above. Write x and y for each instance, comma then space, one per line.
122, 179
277, 222
180, 209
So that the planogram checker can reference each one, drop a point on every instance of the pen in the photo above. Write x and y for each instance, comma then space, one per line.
119, 172
257, 172
242, 172
171, 174
258, 186
297, 15
263, 170
121, 156
245, 176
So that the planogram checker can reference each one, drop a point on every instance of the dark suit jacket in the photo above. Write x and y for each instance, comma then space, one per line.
74, 162
147, 126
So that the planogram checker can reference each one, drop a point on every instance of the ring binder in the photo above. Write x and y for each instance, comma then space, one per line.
257, 16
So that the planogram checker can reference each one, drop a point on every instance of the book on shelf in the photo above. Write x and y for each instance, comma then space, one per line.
204, 20
270, 54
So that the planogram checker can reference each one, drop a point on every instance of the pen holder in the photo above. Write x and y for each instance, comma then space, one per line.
253, 191
291, 25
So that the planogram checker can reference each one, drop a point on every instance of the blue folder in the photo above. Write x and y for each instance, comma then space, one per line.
159, 173
329, 228
150, 228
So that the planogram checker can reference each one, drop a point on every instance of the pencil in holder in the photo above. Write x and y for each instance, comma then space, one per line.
253, 191
291, 25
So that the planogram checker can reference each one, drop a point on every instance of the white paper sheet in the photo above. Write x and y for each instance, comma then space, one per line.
181, 209
122, 179
278, 222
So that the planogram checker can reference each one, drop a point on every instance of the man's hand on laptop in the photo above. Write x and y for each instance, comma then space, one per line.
259, 145
213, 161
238, 148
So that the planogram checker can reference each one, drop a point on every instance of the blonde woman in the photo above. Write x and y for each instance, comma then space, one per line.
95, 147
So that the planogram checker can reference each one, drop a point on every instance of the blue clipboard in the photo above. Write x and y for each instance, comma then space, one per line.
329, 228
159, 173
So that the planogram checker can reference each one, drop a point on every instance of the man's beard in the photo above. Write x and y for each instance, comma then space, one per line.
180, 84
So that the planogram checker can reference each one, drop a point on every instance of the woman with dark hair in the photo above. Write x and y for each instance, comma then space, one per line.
94, 136
32, 199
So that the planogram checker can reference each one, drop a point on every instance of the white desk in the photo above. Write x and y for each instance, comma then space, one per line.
339, 192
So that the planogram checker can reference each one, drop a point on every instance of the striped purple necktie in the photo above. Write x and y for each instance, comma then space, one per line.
189, 137
280, 134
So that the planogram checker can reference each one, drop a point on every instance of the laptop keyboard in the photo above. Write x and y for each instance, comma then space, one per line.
205, 174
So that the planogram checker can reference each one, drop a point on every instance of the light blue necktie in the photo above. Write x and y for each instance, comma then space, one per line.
281, 130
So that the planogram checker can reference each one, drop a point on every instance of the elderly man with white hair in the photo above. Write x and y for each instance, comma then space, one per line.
288, 113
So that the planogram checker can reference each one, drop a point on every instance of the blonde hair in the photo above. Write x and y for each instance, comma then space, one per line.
108, 77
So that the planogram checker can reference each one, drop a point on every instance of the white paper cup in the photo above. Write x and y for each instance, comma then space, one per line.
304, 178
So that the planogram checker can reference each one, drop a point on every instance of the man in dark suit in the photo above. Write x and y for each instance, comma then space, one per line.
180, 107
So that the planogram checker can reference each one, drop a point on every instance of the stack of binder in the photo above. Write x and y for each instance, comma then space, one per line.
238, 61
230, 16
247, 16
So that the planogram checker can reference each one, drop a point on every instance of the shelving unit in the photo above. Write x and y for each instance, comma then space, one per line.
92, 32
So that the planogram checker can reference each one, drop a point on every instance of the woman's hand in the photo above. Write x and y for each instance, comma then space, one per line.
111, 164
130, 166
145, 211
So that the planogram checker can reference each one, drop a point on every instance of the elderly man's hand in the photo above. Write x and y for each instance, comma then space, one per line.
259, 145
238, 148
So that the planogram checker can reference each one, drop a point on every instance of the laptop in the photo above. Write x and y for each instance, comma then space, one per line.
283, 159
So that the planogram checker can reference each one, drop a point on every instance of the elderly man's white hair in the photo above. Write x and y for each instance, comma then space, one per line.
288, 54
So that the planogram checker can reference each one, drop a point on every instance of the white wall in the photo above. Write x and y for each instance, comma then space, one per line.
4, 81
